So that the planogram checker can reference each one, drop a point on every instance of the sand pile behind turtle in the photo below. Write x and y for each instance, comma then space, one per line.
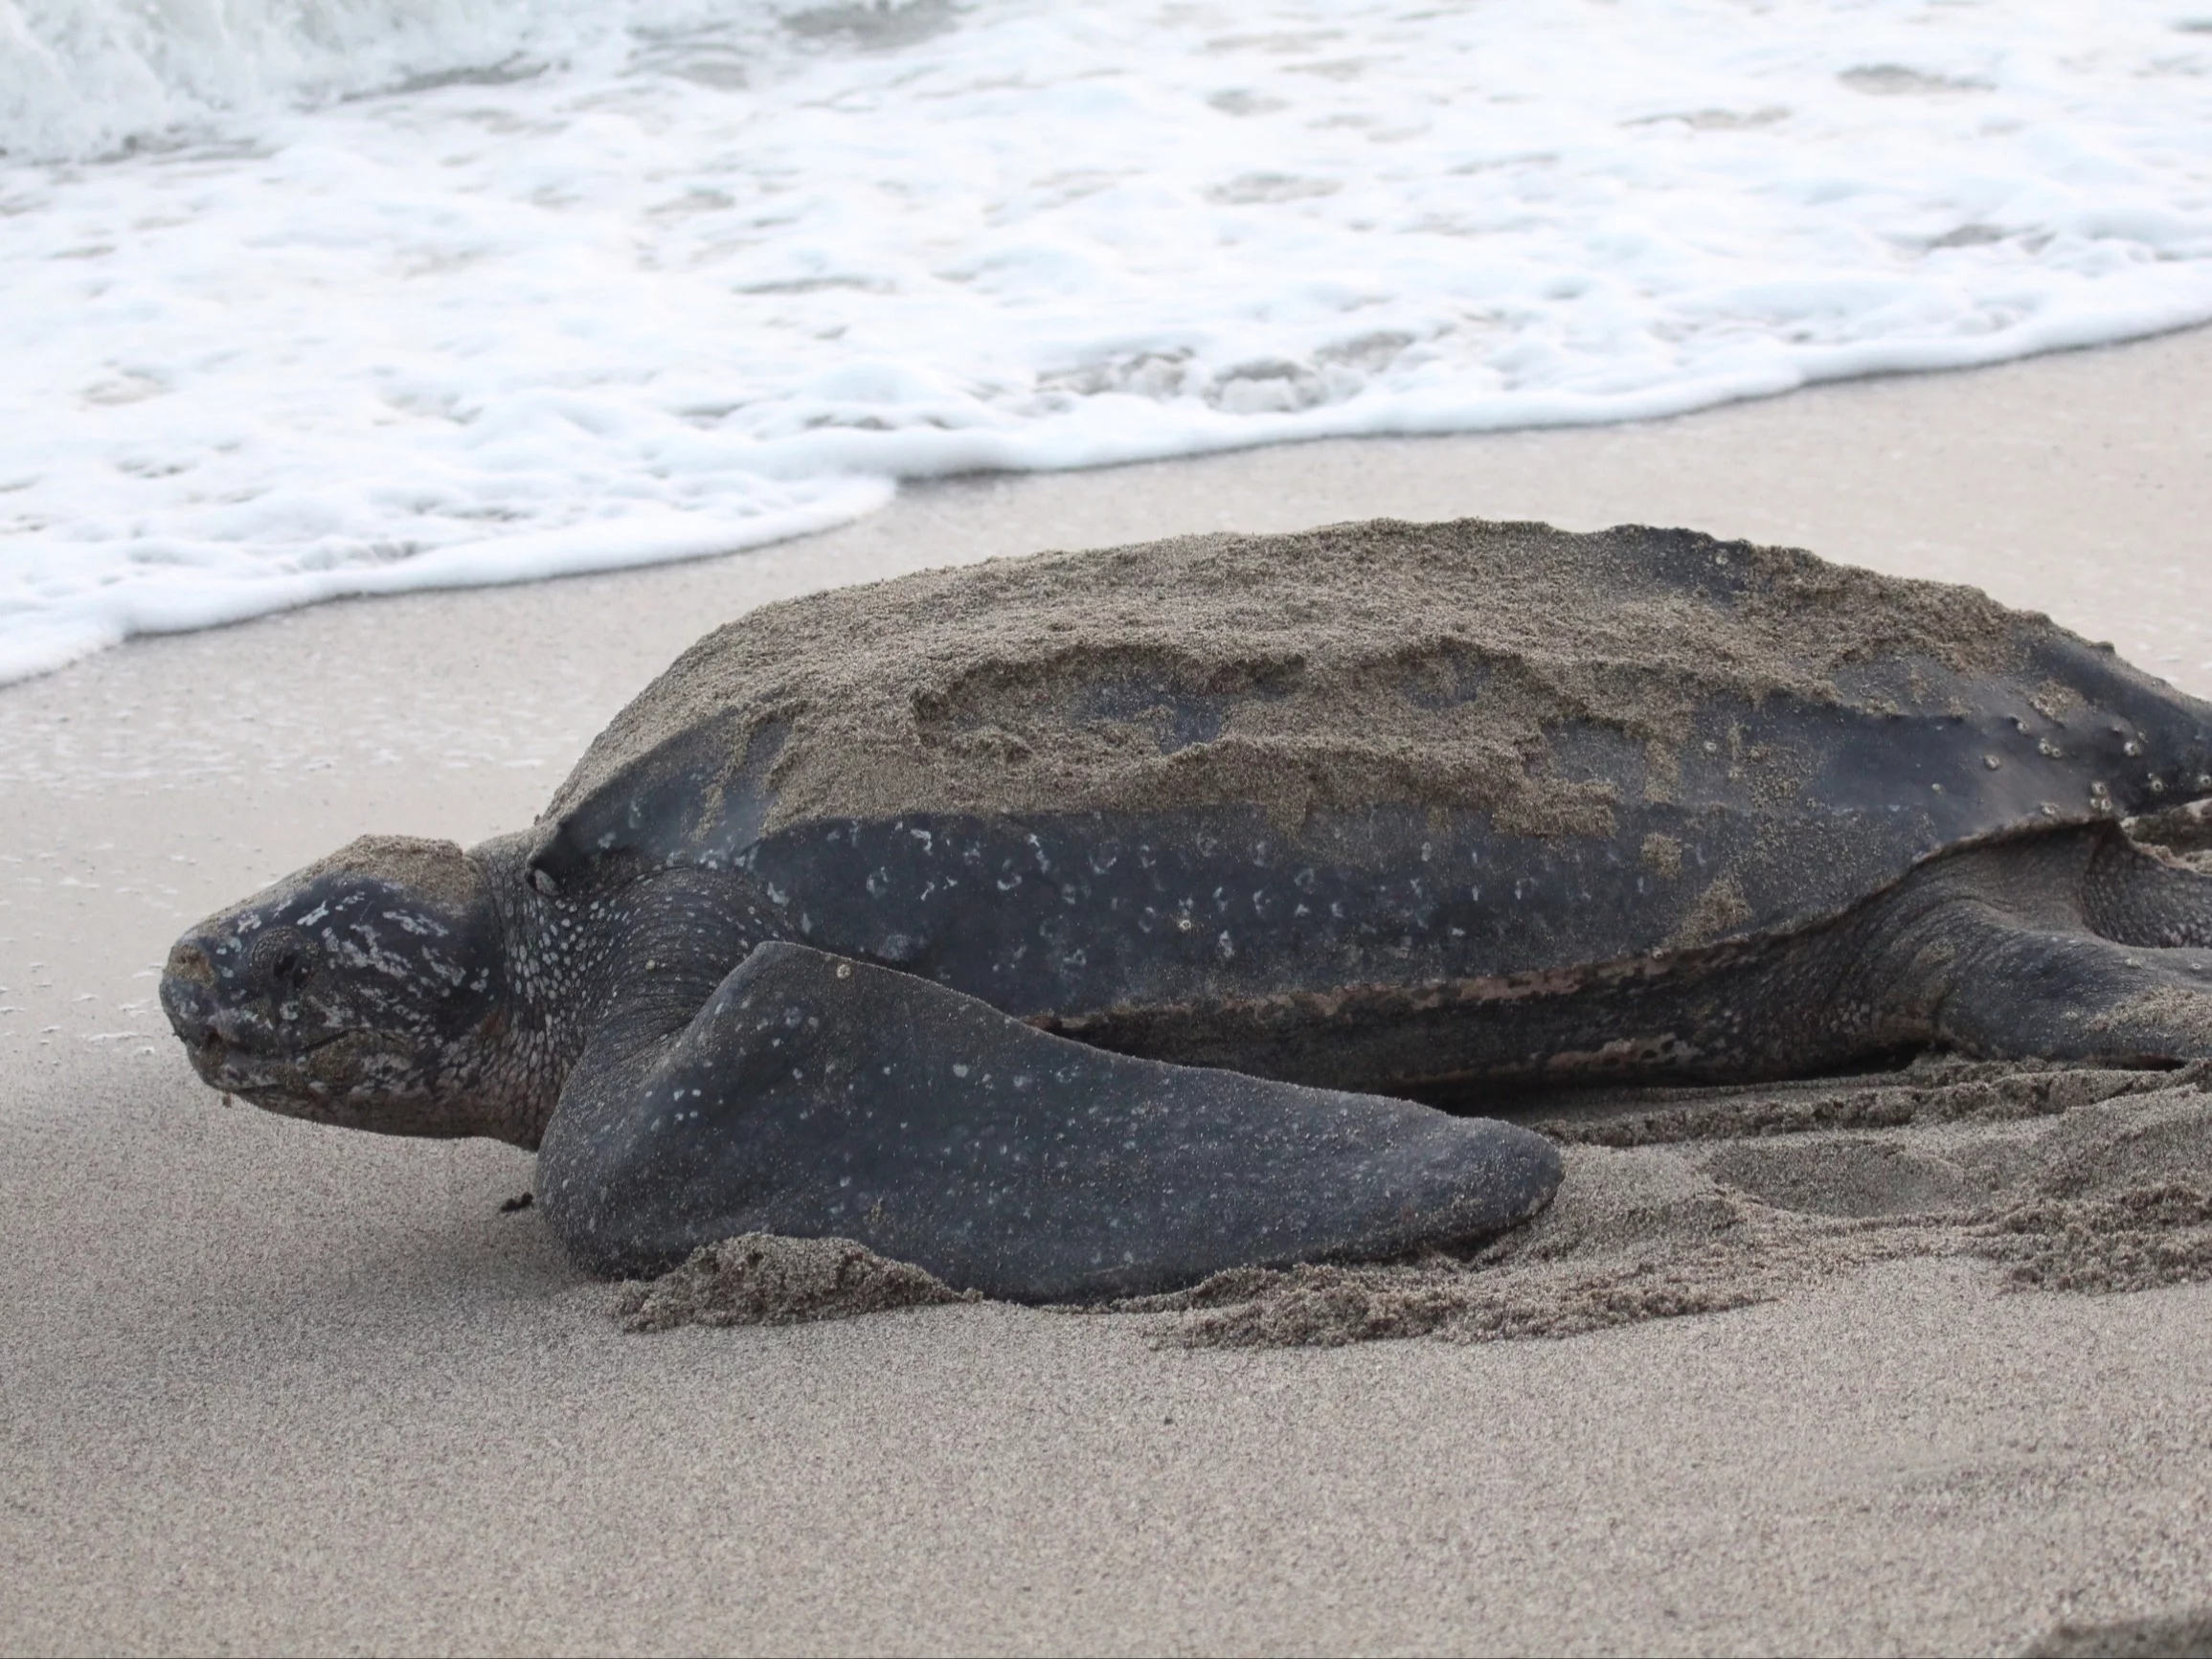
1356, 663
1689, 1202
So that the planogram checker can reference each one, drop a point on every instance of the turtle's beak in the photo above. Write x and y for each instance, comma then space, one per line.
188, 994
212, 1035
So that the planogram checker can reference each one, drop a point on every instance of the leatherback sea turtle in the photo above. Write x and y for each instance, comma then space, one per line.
1024, 920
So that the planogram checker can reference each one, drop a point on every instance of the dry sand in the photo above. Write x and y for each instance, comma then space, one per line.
269, 1385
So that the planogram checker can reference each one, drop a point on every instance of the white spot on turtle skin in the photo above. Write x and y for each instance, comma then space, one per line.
1182, 924
959, 1070
845, 969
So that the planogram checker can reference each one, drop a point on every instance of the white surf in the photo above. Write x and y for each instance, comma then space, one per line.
302, 297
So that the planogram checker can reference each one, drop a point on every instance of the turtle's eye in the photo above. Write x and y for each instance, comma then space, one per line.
283, 959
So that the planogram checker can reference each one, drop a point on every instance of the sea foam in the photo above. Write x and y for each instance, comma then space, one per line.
354, 295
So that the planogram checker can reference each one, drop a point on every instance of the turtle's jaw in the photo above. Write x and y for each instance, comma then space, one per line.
349, 1079
241, 1052
264, 1077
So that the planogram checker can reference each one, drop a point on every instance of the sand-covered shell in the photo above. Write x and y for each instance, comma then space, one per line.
1377, 752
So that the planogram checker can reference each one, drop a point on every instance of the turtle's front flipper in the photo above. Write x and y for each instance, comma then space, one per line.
817, 1096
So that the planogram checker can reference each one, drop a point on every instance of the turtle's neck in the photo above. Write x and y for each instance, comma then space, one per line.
604, 968
553, 952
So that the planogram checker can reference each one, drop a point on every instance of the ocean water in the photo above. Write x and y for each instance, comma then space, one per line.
302, 297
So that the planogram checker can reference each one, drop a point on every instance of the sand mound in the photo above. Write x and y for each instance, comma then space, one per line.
1691, 1201
761, 1279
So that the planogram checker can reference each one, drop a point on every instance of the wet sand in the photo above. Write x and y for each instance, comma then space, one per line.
269, 1385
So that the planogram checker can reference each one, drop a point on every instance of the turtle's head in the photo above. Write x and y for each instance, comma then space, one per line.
369, 990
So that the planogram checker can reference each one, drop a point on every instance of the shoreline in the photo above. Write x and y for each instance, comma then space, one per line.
568, 554
275, 1386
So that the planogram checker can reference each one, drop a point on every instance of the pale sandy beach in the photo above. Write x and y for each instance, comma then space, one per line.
268, 1386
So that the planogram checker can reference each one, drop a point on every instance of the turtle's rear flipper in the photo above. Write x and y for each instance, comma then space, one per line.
817, 1096
2076, 946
